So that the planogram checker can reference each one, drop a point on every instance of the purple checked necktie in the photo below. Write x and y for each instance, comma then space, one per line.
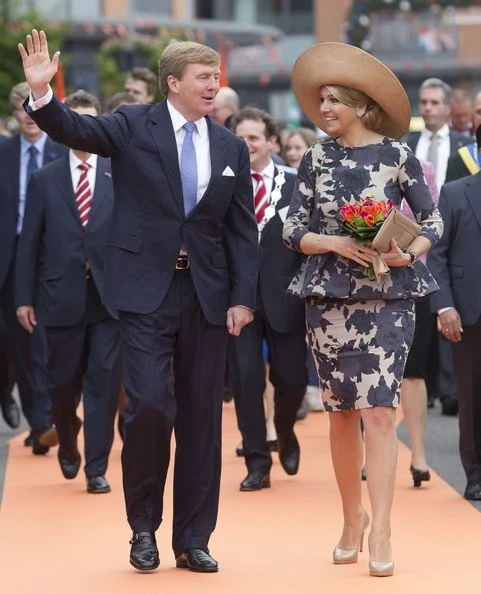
188, 168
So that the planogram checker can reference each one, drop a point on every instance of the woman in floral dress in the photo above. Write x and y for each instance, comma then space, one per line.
359, 329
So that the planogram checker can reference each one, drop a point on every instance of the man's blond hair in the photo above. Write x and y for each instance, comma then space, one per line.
177, 55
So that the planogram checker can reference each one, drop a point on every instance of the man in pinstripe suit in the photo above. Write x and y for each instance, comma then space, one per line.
177, 280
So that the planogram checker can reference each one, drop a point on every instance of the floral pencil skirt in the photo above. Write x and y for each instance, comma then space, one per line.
360, 350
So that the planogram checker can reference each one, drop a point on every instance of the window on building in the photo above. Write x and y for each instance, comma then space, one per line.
152, 6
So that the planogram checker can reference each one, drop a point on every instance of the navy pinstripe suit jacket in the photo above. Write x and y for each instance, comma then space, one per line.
54, 248
148, 226
9, 195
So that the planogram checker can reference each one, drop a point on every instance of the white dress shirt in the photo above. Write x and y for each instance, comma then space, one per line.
75, 172
24, 159
201, 144
444, 150
267, 176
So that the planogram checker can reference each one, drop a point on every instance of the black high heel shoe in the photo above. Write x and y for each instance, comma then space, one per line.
419, 475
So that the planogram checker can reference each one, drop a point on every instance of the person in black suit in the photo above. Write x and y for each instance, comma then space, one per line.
61, 255
434, 107
278, 319
16, 165
8, 405
465, 161
181, 268
456, 265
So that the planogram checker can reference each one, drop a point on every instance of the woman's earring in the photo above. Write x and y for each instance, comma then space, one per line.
360, 112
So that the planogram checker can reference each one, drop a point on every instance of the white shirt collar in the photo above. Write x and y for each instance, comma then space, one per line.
75, 161
39, 144
267, 171
178, 121
443, 132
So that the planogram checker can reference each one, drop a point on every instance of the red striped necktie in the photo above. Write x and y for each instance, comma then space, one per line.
83, 195
260, 198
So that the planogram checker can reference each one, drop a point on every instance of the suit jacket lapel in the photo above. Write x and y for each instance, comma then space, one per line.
473, 194
102, 184
63, 180
217, 160
163, 134
52, 151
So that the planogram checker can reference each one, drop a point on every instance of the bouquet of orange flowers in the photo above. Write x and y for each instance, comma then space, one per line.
362, 220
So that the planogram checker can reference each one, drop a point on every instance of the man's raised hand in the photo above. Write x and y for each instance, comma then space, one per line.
39, 69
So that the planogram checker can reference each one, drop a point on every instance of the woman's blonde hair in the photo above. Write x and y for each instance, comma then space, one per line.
374, 116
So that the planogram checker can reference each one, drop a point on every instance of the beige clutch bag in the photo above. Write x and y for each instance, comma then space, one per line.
396, 226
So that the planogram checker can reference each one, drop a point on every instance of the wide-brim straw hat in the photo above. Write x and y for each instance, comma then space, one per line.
331, 63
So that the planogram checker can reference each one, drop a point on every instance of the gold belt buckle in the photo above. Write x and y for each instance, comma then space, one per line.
182, 263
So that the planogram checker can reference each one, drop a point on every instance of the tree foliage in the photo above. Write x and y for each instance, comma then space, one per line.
119, 55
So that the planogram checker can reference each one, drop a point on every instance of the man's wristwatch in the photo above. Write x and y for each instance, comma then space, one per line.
412, 254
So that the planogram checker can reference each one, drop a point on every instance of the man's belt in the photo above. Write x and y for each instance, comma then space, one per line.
182, 263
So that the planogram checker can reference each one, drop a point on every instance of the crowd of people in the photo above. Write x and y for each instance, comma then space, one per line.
180, 251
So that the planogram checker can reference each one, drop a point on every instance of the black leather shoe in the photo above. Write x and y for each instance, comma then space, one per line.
97, 484
289, 453
449, 406
419, 475
144, 555
473, 493
10, 410
43, 440
197, 560
28, 441
69, 463
255, 481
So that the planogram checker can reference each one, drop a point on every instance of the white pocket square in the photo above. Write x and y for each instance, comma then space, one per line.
228, 171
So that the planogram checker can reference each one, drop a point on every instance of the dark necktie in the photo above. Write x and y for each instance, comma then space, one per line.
260, 197
32, 164
83, 195
188, 168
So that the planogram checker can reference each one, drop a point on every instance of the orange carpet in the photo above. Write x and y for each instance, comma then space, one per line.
56, 538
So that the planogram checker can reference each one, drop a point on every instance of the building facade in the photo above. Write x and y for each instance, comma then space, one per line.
262, 38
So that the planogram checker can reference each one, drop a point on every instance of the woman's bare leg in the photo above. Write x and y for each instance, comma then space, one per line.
347, 455
414, 400
381, 460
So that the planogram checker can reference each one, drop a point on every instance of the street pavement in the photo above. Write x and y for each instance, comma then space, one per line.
441, 448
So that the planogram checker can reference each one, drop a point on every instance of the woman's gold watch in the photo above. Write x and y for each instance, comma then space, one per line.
412, 254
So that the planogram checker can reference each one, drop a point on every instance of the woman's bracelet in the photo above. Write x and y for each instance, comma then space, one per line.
318, 244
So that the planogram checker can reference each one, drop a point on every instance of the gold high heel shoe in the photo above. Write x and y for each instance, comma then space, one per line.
381, 568
346, 556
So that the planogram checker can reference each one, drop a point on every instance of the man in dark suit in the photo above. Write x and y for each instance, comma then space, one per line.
465, 161
19, 156
435, 143
278, 319
8, 405
181, 266
456, 265
61, 258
